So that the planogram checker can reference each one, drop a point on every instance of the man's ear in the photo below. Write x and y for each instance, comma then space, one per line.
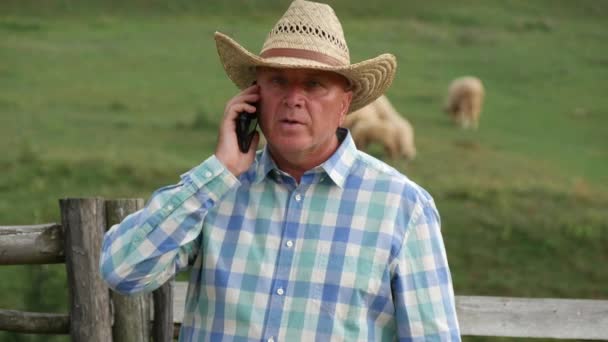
345, 105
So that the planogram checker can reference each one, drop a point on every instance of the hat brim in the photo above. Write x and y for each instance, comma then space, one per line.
369, 79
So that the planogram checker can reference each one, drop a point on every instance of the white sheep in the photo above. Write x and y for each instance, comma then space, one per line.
380, 122
465, 101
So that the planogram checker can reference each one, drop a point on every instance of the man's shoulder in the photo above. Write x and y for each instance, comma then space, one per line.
371, 168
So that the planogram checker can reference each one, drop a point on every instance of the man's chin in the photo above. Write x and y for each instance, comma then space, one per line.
292, 144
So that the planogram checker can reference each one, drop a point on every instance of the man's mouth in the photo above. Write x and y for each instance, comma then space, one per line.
291, 122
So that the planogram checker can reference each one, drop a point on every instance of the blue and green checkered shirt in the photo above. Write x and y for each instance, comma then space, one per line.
353, 252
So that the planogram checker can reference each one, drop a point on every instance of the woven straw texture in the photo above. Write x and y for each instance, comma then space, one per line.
310, 26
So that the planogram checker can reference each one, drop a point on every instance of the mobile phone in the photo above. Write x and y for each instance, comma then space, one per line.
246, 124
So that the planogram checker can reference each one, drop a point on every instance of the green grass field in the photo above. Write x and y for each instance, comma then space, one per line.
118, 99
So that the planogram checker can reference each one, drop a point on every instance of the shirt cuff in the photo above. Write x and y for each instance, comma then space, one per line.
213, 176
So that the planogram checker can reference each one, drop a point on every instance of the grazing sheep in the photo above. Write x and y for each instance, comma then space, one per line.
464, 101
380, 122
404, 134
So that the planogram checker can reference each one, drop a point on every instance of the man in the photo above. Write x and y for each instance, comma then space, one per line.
308, 239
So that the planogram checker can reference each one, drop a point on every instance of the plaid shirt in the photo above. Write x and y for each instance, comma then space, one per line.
353, 252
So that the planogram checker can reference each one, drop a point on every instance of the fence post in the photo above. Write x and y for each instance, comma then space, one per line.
163, 312
84, 222
131, 313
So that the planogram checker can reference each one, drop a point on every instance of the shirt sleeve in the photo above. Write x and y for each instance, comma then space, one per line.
149, 246
421, 281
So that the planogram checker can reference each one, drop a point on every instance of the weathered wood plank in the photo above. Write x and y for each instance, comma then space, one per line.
533, 317
34, 322
36, 244
163, 313
131, 313
84, 223
179, 300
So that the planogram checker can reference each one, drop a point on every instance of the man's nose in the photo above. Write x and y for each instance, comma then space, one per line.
294, 96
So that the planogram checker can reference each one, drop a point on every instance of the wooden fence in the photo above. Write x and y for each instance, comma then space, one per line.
97, 314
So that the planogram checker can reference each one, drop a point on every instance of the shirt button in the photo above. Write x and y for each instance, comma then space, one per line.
208, 174
289, 243
271, 339
298, 197
170, 207
280, 291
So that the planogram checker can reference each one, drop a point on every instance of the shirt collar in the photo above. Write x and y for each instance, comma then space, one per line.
337, 167
265, 165
339, 164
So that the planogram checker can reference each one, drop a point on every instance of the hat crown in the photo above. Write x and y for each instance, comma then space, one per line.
309, 26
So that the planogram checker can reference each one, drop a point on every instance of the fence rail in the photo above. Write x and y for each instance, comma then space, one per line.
97, 314
533, 317
34, 322
37, 244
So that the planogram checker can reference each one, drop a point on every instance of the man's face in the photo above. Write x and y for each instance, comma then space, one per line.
301, 110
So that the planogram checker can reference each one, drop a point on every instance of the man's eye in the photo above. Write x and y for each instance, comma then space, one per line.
277, 80
313, 84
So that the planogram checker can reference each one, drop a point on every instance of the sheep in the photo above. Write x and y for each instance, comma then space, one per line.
404, 134
465, 101
380, 122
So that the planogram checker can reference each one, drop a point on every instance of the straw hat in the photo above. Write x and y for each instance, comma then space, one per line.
310, 36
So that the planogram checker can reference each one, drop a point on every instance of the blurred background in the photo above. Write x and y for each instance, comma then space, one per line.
118, 98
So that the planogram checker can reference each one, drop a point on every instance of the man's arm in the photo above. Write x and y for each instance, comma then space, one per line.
421, 281
148, 247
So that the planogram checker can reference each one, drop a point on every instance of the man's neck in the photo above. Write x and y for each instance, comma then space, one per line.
297, 164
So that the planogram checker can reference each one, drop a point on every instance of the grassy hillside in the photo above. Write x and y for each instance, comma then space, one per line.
118, 99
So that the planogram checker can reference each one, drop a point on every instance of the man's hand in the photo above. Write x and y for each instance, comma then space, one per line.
227, 148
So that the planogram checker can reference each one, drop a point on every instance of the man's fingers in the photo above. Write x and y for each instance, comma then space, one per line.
242, 107
245, 98
242, 103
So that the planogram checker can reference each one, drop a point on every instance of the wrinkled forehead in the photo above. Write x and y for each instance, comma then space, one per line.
304, 74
